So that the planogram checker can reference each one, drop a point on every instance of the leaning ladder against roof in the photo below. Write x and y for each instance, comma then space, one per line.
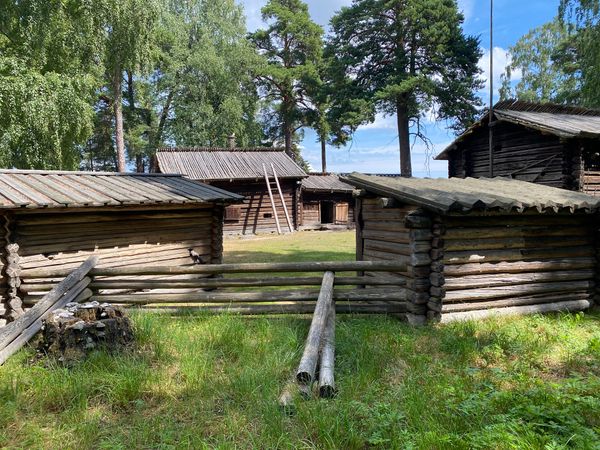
287, 216
272, 199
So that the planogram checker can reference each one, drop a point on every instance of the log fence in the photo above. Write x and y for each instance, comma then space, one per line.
246, 288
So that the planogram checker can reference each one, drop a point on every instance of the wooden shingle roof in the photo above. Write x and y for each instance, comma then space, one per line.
60, 189
447, 195
325, 183
212, 164
563, 121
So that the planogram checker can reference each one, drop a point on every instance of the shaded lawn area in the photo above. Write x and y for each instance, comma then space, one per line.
212, 381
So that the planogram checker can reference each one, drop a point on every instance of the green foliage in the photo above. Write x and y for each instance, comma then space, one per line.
547, 73
292, 46
47, 79
406, 58
209, 65
582, 17
182, 73
44, 117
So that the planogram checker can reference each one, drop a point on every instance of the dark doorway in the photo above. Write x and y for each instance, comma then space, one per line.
327, 212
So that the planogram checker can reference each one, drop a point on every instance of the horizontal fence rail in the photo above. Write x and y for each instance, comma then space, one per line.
213, 269
214, 283
209, 288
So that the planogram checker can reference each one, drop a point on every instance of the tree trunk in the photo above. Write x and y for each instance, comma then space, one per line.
131, 120
287, 132
404, 139
323, 155
118, 111
164, 114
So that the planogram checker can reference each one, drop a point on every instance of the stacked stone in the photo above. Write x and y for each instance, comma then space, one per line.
13, 307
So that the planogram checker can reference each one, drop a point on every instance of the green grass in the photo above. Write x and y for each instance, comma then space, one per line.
203, 381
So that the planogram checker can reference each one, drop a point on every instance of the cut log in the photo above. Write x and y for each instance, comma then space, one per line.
519, 301
276, 309
308, 364
515, 267
516, 291
76, 279
227, 282
479, 281
398, 295
570, 306
327, 359
314, 266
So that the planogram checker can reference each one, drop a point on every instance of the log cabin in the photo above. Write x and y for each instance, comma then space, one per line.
478, 247
549, 144
327, 202
54, 219
242, 170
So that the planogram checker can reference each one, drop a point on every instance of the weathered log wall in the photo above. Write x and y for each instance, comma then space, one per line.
311, 212
256, 213
487, 263
387, 231
121, 238
520, 152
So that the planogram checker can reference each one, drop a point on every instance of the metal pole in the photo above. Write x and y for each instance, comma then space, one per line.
491, 78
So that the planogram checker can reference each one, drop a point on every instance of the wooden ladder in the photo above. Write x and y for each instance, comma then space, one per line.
270, 191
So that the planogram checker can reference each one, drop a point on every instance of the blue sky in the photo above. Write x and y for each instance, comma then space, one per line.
375, 146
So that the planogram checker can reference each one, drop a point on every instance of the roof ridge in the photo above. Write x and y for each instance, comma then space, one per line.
545, 107
85, 172
220, 149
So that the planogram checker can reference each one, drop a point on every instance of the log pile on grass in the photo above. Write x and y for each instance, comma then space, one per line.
319, 351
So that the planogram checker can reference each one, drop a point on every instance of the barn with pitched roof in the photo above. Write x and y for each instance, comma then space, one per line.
268, 202
55, 219
476, 247
549, 144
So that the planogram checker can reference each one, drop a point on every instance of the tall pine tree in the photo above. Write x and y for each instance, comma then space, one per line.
406, 57
292, 45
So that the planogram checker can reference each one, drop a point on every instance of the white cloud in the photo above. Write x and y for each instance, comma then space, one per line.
252, 13
381, 122
501, 60
467, 7
321, 11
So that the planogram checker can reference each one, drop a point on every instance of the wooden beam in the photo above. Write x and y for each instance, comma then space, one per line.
313, 266
327, 359
358, 295
568, 306
308, 363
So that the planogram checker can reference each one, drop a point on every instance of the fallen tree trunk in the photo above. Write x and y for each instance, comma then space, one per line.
327, 360
308, 364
